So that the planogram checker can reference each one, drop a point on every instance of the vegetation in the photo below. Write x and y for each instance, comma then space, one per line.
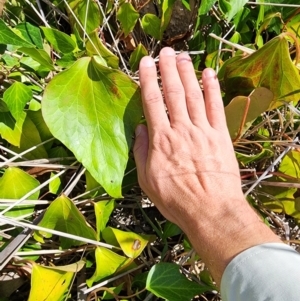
74, 224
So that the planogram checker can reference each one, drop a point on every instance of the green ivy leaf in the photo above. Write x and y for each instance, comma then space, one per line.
94, 110
103, 210
206, 6
55, 186
107, 263
264, 68
165, 281
259, 101
16, 97
8, 37
136, 56
95, 42
232, 7
40, 56
132, 244
63, 215
127, 16
170, 229
28, 136
10, 129
54, 281
246, 159
88, 14
60, 41
14, 184
151, 26
167, 9
38, 120
31, 34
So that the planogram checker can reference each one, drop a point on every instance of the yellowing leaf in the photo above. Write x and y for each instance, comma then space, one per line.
270, 67
63, 215
93, 110
14, 184
107, 263
28, 136
242, 111
132, 244
290, 164
52, 283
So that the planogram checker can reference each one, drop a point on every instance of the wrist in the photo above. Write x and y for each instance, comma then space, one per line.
221, 235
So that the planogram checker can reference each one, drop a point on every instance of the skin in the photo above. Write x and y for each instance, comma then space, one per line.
186, 163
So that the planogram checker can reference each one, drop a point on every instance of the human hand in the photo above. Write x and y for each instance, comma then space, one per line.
186, 163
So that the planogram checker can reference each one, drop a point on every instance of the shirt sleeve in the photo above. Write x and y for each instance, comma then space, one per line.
267, 272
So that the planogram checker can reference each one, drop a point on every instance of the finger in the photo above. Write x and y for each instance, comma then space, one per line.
172, 86
154, 108
193, 94
213, 100
140, 151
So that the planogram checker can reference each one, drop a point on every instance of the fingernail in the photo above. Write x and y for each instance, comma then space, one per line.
209, 73
147, 61
183, 57
167, 51
138, 130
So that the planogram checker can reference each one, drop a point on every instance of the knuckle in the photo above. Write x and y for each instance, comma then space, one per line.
193, 96
216, 105
152, 97
174, 90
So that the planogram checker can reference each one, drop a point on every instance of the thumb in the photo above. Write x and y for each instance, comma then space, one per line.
140, 150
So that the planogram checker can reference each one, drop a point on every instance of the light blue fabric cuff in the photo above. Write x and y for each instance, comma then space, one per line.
267, 272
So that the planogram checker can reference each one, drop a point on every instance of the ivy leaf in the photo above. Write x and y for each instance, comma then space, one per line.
60, 41
242, 111
132, 244
167, 8
88, 14
127, 16
165, 281
14, 184
232, 7
31, 34
10, 129
103, 210
54, 281
290, 164
107, 263
205, 6
246, 159
136, 56
28, 136
264, 68
151, 26
7, 36
93, 110
95, 42
63, 215
16, 97
170, 229
40, 56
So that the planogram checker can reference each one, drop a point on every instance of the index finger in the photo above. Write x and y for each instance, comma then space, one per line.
153, 104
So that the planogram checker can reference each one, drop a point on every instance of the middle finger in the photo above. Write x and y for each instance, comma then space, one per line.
172, 87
